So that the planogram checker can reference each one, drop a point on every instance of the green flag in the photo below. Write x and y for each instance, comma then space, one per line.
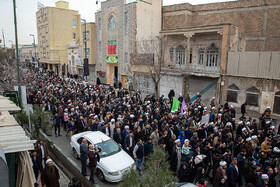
175, 104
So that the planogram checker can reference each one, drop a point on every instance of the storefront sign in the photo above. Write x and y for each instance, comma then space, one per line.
112, 59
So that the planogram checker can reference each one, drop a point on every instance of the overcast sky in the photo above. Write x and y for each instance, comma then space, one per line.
26, 15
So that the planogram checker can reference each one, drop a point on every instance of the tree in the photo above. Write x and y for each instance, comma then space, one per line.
157, 173
40, 119
157, 49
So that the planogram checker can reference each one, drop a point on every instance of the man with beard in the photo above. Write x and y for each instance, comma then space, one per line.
50, 175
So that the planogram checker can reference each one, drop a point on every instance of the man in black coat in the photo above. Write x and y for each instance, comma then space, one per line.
37, 163
84, 156
263, 181
232, 173
243, 110
117, 137
252, 176
93, 159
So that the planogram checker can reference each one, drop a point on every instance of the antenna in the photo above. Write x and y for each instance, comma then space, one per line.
3, 37
40, 6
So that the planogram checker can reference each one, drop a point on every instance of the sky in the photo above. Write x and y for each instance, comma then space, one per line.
26, 15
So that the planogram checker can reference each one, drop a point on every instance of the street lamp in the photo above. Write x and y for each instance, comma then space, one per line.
34, 44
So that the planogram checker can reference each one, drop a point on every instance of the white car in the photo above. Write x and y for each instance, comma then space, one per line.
114, 161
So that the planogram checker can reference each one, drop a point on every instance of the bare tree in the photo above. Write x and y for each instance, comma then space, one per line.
150, 53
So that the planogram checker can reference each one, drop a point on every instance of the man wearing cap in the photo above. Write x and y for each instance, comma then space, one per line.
263, 181
221, 172
249, 147
50, 175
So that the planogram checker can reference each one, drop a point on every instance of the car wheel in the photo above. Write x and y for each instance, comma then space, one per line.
100, 175
75, 153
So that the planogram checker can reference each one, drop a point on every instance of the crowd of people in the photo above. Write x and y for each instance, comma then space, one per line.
205, 143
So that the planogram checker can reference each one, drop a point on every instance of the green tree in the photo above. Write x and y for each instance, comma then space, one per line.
40, 119
157, 173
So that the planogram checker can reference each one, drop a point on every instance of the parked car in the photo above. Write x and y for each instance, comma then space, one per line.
114, 161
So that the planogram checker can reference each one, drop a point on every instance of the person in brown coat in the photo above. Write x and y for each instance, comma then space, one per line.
249, 147
221, 172
50, 175
42, 149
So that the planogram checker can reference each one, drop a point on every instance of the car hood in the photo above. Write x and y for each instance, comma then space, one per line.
117, 162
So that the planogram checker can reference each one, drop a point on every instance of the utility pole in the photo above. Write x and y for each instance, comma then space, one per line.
85, 40
16, 40
3, 38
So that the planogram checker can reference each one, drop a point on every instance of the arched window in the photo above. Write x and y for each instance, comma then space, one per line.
252, 96
212, 55
276, 106
112, 35
171, 54
232, 93
180, 55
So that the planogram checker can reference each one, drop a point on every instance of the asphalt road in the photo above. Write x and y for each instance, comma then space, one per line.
63, 143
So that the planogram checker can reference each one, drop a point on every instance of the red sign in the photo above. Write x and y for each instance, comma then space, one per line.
112, 49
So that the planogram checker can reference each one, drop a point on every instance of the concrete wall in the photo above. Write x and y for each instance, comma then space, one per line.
169, 82
267, 89
148, 19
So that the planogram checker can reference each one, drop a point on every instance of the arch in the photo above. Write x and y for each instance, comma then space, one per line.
232, 93
252, 96
180, 55
276, 105
112, 34
212, 55
171, 54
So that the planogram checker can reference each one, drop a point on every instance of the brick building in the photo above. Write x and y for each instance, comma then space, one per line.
226, 50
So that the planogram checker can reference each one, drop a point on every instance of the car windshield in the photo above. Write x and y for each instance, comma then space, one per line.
108, 148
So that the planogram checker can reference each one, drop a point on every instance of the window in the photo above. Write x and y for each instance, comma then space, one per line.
112, 35
74, 36
276, 106
47, 42
88, 52
201, 56
46, 29
212, 56
126, 22
74, 23
171, 54
46, 17
252, 96
180, 55
99, 23
232, 93
190, 55
48, 54
87, 35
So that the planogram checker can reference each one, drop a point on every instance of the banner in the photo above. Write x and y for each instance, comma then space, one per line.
175, 104
86, 68
112, 59
183, 107
112, 49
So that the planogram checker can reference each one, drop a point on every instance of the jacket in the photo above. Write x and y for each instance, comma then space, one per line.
83, 151
232, 174
93, 158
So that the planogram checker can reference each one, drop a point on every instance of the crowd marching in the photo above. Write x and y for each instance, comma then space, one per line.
204, 143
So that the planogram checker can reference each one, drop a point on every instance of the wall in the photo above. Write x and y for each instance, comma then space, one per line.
254, 64
257, 21
169, 82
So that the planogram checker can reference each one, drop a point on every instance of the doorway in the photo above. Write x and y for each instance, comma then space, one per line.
116, 73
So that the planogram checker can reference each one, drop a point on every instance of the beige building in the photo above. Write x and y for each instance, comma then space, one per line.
26, 52
57, 27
